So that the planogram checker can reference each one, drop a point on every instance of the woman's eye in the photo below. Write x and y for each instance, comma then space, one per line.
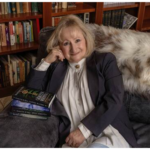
66, 43
78, 40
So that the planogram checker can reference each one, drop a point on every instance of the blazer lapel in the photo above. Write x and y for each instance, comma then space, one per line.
57, 77
92, 77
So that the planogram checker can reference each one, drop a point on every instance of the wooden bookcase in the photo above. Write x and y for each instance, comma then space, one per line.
96, 9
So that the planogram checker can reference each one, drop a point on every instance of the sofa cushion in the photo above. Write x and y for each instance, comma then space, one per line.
138, 107
142, 132
27, 132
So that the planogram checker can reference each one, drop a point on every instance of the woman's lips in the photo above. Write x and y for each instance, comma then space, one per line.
73, 54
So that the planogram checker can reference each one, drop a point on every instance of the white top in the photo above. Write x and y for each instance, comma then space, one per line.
75, 97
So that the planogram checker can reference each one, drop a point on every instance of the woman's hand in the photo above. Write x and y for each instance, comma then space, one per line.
54, 54
75, 138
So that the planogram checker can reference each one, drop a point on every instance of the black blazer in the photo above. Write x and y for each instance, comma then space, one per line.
106, 90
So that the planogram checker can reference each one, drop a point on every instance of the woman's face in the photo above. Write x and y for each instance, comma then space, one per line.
73, 44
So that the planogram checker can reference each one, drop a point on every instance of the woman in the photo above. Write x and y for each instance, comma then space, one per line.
88, 87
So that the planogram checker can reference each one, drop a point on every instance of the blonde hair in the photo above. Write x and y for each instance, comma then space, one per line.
71, 21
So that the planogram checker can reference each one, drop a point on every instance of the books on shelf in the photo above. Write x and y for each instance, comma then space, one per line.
63, 5
114, 18
118, 19
19, 7
128, 21
85, 17
18, 32
14, 69
32, 103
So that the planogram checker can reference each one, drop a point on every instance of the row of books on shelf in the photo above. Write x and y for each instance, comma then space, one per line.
15, 68
19, 7
31, 103
118, 19
85, 17
60, 5
16, 32
117, 3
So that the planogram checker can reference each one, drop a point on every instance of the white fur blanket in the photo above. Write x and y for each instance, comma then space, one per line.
132, 50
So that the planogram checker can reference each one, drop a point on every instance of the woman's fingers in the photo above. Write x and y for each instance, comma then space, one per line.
55, 54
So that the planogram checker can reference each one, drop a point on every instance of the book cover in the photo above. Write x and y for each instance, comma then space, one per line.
34, 96
128, 20
26, 105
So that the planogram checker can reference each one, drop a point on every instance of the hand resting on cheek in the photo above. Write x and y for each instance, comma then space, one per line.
54, 55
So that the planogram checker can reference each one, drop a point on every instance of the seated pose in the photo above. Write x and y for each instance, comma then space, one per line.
88, 87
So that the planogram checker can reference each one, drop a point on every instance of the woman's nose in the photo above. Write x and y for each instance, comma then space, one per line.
73, 47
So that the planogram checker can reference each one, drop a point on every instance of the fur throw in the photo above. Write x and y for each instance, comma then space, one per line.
132, 51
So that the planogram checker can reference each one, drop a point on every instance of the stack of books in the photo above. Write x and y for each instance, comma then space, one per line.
31, 103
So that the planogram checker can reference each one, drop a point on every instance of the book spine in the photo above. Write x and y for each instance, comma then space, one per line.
3, 35
25, 111
5, 8
38, 25
21, 7
64, 5
13, 7
27, 115
34, 7
17, 32
2, 8
24, 32
1, 80
121, 18
18, 7
11, 34
9, 7
7, 36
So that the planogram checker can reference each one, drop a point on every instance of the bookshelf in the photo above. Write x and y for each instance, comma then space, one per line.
21, 47
96, 10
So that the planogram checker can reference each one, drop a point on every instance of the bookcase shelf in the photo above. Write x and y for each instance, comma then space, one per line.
6, 91
19, 17
119, 6
78, 10
5, 50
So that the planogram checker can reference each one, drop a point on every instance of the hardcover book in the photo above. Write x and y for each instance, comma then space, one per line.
28, 106
34, 96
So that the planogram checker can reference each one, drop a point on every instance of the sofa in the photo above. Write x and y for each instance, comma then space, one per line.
24, 132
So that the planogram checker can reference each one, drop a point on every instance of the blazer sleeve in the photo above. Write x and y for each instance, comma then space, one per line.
109, 105
39, 79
